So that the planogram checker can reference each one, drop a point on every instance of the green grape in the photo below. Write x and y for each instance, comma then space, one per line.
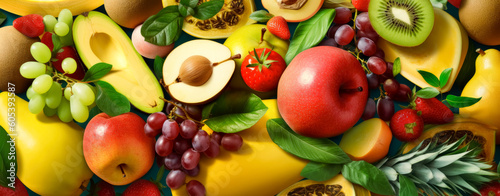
49, 70
32, 69
79, 111
40, 52
69, 65
49, 111
49, 21
84, 92
54, 95
36, 104
61, 29
67, 92
42, 84
66, 16
30, 92
64, 111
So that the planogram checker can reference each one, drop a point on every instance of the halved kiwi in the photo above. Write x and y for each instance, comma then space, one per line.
402, 22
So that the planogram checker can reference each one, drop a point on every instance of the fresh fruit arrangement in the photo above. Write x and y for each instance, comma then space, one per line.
249, 97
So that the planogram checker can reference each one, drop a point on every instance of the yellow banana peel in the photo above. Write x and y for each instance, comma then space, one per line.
52, 7
260, 167
49, 152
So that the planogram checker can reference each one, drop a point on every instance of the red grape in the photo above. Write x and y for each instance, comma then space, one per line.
344, 35
217, 136
192, 172
367, 46
388, 72
195, 188
391, 86
181, 145
370, 34
370, 109
155, 120
232, 142
380, 54
376, 65
194, 111
328, 42
403, 93
170, 129
372, 80
363, 22
164, 146
332, 30
213, 150
342, 15
175, 179
151, 132
385, 108
190, 159
173, 161
201, 141
180, 115
188, 129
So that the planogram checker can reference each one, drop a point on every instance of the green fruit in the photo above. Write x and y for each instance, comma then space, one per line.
245, 39
402, 22
99, 39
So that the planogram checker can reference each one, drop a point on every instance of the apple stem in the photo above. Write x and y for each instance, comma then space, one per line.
480, 51
352, 90
236, 56
123, 172
262, 35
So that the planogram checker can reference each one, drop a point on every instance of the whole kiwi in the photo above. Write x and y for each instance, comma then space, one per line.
131, 13
481, 19
14, 51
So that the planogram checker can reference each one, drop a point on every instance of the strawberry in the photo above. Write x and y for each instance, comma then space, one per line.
104, 189
47, 40
65, 52
20, 189
455, 3
433, 111
262, 69
361, 5
30, 25
491, 189
406, 125
142, 187
277, 26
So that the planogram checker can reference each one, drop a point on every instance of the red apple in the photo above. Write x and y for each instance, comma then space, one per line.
322, 92
65, 52
117, 149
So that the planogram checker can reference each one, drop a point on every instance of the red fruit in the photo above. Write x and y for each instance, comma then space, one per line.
142, 187
47, 40
491, 189
361, 5
403, 94
65, 52
20, 189
262, 71
455, 3
30, 25
433, 111
277, 26
105, 189
407, 125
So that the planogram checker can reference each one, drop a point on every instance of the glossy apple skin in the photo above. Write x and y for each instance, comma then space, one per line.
109, 142
312, 96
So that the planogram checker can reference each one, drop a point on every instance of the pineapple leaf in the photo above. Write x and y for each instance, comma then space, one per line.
438, 176
390, 173
403, 168
423, 173
458, 168
446, 160
462, 183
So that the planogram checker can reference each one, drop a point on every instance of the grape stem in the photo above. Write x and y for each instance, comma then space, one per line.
354, 23
172, 112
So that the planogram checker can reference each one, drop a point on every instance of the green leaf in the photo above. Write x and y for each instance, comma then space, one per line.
407, 187
94, 111
189, 3
320, 171
461, 102
396, 67
427, 93
57, 44
320, 150
183, 10
208, 9
158, 67
309, 33
443, 78
261, 16
97, 71
110, 101
430, 78
164, 28
234, 111
441, 4
7, 158
3, 17
368, 176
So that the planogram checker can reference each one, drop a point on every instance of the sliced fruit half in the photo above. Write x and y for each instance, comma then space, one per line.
402, 22
52, 7
206, 90
99, 39
233, 15
306, 11
446, 47
338, 185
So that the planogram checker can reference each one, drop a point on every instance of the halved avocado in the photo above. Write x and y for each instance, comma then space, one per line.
99, 39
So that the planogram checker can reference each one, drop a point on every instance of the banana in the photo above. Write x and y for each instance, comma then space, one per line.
49, 152
260, 167
52, 7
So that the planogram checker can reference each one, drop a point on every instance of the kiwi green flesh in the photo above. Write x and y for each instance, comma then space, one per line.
402, 22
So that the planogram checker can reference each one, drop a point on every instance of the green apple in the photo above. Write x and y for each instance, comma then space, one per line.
244, 40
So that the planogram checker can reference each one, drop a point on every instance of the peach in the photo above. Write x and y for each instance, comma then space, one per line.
147, 49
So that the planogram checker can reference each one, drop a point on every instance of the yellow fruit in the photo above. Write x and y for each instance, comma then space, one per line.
52, 7
337, 186
253, 170
49, 153
233, 15
481, 19
293, 15
361, 191
445, 47
368, 141
485, 84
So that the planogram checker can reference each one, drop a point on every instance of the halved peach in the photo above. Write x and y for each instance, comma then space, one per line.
308, 10
368, 141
